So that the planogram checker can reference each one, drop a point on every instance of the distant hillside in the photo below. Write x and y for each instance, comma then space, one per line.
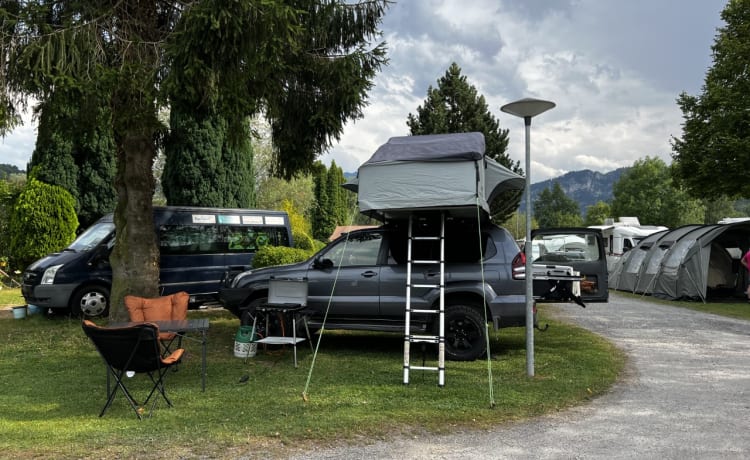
8, 170
586, 187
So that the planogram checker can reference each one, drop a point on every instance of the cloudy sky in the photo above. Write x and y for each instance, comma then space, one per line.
613, 67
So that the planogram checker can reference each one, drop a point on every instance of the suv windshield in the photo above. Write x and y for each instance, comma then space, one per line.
92, 236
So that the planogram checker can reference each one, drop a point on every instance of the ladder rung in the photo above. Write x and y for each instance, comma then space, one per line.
426, 238
425, 261
426, 285
424, 338
425, 368
425, 311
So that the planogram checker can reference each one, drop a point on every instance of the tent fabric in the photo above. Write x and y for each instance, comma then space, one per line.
438, 171
688, 262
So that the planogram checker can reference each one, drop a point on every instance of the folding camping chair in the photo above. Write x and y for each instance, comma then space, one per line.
132, 349
164, 308
286, 296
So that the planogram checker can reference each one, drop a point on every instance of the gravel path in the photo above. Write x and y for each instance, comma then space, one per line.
686, 394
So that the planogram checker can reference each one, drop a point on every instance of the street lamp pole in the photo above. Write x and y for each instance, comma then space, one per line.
527, 109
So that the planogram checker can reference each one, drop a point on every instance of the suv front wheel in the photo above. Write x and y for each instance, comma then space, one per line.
464, 333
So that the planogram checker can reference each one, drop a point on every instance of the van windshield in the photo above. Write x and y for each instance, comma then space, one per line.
92, 236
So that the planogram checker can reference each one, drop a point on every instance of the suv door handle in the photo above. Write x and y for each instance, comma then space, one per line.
369, 274
431, 274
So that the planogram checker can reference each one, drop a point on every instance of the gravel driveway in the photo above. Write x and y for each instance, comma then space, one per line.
686, 394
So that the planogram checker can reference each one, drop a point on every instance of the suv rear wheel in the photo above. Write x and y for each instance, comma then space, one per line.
464, 333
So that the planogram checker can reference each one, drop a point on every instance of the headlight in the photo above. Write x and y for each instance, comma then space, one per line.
49, 274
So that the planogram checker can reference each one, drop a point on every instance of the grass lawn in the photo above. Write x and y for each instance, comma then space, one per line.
11, 297
53, 387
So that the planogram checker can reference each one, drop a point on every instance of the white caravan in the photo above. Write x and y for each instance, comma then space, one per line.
623, 235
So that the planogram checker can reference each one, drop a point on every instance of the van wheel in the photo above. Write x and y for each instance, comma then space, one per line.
90, 302
464, 333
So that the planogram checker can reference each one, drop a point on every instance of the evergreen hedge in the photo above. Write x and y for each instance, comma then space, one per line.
279, 255
43, 220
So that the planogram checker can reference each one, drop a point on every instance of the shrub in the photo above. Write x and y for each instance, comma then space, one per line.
279, 255
302, 240
43, 220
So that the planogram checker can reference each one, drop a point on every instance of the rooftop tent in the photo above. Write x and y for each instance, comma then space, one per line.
438, 171
690, 262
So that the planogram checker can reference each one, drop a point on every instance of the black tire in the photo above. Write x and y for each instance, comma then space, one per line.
90, 301
464, 333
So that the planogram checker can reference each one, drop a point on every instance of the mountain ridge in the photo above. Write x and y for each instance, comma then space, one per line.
586, 187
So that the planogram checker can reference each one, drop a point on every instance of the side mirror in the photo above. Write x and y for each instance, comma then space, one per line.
323, 264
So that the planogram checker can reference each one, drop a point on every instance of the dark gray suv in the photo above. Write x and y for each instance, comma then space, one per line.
360, 279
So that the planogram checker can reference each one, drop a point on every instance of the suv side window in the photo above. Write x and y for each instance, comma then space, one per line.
461, 246
361, 249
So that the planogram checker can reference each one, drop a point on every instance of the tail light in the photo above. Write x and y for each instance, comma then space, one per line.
519, 266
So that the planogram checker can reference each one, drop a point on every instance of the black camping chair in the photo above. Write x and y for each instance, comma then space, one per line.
135, 349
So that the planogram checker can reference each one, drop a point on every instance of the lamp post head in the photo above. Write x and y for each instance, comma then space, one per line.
527, 108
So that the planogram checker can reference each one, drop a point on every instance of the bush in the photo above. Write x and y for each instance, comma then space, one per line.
279, 255
43, 220
302, 240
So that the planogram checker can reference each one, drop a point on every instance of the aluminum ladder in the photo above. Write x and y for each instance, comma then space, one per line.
424, 235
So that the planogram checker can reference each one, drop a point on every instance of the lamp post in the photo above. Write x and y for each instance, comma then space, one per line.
527, 109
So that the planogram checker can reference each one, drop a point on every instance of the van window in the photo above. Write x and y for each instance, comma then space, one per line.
218, 239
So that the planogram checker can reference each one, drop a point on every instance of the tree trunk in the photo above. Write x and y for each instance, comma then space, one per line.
135, 257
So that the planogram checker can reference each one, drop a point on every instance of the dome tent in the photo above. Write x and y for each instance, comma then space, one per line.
689, 262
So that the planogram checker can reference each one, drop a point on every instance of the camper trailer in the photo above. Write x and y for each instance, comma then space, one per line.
622, 235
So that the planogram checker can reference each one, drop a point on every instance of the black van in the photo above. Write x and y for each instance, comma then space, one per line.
197, 245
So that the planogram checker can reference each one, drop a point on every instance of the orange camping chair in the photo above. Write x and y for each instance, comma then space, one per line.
165, 308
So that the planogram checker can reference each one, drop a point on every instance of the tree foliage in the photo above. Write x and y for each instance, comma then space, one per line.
9, 191
43, 220
713, 155
456, 107
203, 167
332, 201
309, 65
596, 213
8, 170
553, 208
75, 150
516, 225
647, 191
